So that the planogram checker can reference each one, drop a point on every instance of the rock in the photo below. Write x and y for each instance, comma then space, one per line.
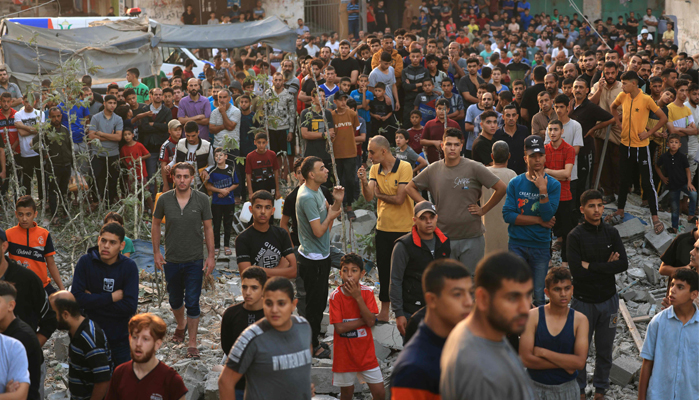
234, 287
323, 397
211, 387
624, 369
630, 229
629, 295
324, 322
195, 389
644, 309
636, 273
62, 395
388, 336
643, 295
659, 242
381, 351
652, 273
60, 347
322, 378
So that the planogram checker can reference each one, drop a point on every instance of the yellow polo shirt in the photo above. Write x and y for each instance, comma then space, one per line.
392, 217
635, 113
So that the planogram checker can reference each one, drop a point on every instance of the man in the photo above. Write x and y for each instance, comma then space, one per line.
345, 65
634, 144
58, 175
651, 23
481, 149
412, 78
551, 81
411, 255
472, 120
153, 130
195, 151
589, 67
13, 327
387, 181
693, 144
529, 106
195, 107
513, 134
596, 253
301, 28
27, 119
497, 238
183, 264
11, 88
679, 119
570, 70
385, 73
456, 193
469, 84
517, 68
106, 127
132, 76
434, 130
106, 285
544, 116
265, 245
531, 202
477, 361
315, 218
314, 129
224, 123
89, 356
10, 139
346, 123
14, 382
146, 373
446, 285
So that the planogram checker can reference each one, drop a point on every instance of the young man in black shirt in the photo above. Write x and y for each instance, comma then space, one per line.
265, 245
15, 328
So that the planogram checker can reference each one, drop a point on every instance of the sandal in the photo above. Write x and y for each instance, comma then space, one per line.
326, 353
658, 227
179, 335
227, 251
193, 353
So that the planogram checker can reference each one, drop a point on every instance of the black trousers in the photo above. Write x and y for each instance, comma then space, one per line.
347, 173
636, 159
564, 224
9, 173
106, 175
222, 212
314, 274
31, 166
57, 184
385, 246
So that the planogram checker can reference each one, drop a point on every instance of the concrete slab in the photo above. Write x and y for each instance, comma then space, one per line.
211, 387
624, 369
388, 335
381, 351
630, 229
659, 242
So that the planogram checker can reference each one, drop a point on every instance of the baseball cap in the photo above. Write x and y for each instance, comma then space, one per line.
236, 85
534, 144
645, 30
173, 124
422, 207
339, 95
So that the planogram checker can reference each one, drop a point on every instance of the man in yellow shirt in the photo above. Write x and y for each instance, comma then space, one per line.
634, 143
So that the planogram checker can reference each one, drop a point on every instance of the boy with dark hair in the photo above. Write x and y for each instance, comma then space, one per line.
415, 132
263, 244
677, 178
481, 148
670, 362
167, 152
425, 102
353, 312
405, 153
559, 161
247, 142
262, 170
222, 182
381, 112
128, 244
141, 90
238, 317
32, 246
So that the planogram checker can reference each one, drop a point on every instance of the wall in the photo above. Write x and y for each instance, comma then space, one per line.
289, 10
687, 14
163, 11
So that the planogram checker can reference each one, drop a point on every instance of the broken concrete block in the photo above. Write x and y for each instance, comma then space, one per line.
644, 309
624, 369
195, 389
388, 335
381, 351
60, 347
652, 273
636, 273
629, 295
234, 287
631, 229
643, 296
324, 322
322, 378
659, 242
211, 387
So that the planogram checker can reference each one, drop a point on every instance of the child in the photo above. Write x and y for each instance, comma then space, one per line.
262, 171
362, 97
567, 87
425, 102
353, 311
405, 153
222, 182
456, 111
496, 76
31, 246
677, 179
424, 23
133, 154
128, 244
167, 152
416, 131
329, 87
381, 112
247, 142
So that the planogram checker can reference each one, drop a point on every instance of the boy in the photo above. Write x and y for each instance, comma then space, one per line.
381, 112
416, 131
247, 143
362, 97
425, 102
496, 76
670, 362
405, 153
456, 111
481, 148
115, 217
132, 76
677, 179
263, 244
412, 78
353, 311
240, 316
329, 87
167, 152
360, 136
262, 171
32, 246
559, 161
222, 182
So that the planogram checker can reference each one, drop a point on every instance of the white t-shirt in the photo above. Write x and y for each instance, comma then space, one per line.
312, 49
335, 47
693, 141
30, 119
573, 135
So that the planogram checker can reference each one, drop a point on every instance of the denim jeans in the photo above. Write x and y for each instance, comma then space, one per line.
676, 202
152, 165
185, 284
538, 260
121, 352
354, 28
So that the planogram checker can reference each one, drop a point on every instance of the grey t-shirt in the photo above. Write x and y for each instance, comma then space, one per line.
465, 375
389, 79
453, 190
409, 155
100, 123
276, 365
183, 227
311, 205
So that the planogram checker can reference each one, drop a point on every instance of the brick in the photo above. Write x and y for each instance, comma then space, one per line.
630, 229
659, 242
624, 369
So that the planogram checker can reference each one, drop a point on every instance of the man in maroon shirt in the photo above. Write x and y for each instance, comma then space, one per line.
434, 129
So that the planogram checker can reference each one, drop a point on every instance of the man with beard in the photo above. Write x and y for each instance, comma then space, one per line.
345, 65
551, 85
325, 56
106, 127
89, 356
546, 114
396, 59
570, 71
529, 106
502, 299
589, 66
12, 88
514, 135
145, 375
195, 107
291, 83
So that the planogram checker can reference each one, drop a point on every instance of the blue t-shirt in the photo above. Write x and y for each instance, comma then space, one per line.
13, 362
509, 3
77, 127
525, 19
353, 16
525, 5
522, 198
221, 179
357, 96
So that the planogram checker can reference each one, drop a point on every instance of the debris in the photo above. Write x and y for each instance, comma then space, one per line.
659, 242
624, 369
652, 273
636, 273
632, 327
60, 347
624, 289
630, 230
388, 335
643, 310
381, 351
234, 287
211, 387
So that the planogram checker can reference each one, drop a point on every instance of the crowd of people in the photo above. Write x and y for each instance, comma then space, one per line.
501, 124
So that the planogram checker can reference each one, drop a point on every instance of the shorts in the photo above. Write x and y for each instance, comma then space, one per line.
345, 379
278, 140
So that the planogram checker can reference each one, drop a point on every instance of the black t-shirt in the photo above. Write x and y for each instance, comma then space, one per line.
235, 320
19, 330
674, 166
188, 19
309, 85
588, 114
289, 209
481, 150
264, 249
316, 147
380, 17
381, 108
678, 253
302, 52
529, 101
344, 68
621, 27
632, 29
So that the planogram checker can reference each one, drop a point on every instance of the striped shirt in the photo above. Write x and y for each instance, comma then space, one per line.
354, 16
89, 359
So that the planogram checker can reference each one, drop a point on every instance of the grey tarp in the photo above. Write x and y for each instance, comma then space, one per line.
271, 31
113, 49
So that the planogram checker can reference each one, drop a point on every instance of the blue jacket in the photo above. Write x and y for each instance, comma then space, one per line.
101, 280
522, 198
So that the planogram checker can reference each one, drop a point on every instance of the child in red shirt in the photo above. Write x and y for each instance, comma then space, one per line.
416, 131
133, 155
353, 311
262, 170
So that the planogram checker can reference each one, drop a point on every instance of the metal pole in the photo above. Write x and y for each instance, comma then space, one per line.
601, 162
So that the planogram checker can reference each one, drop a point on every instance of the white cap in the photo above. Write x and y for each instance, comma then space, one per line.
645, 31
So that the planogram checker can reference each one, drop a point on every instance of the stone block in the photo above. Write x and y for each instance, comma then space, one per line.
651, 272
60, 347
629, 295
211, 386
324, 322
643, 309
643, 296
659, 242
636, 273
631, 229
624, 369
195, 389
388, 336
381, 351
322, 378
